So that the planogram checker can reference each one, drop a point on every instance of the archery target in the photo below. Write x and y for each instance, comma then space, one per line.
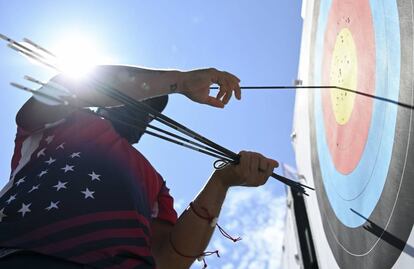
362, 156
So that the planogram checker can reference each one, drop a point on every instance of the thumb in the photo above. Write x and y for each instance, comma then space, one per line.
274, 163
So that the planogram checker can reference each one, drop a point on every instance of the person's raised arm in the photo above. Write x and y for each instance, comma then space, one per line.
191, 234
137, 83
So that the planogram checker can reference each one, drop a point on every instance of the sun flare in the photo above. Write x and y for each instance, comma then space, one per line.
77, 55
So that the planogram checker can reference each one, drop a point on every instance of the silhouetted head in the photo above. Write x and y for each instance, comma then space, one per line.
124, 119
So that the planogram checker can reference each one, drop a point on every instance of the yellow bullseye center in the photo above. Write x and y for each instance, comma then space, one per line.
343, 74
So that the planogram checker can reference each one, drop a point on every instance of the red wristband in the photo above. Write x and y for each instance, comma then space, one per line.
213, 222
200, 257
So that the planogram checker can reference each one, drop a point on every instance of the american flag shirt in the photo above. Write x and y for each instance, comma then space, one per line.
79, 191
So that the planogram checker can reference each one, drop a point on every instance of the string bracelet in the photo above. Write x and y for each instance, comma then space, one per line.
200, 257
213, 222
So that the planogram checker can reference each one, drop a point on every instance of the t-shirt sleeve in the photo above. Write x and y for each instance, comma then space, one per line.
165, 201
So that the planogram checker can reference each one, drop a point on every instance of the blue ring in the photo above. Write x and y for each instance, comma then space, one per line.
362, 188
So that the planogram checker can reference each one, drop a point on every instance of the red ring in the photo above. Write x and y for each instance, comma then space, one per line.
347, 142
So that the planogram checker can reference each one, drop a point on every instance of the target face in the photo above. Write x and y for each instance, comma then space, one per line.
362, 147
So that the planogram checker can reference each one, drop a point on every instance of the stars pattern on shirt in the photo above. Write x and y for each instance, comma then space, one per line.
88, 193
20, 181
51, 170
49, 139
61, 146
36, 187
94, 176
75, 154
60, 185
42, 173
68, 168
41, 152
25, 209
68, 205
11, 199
50, 161
53, 205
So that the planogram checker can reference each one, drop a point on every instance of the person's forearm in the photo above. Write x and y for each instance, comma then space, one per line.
137, 83
191, 234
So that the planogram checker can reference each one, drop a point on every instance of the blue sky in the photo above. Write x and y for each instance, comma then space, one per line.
256, 40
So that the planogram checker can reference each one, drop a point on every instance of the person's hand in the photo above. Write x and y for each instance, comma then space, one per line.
196, 86
253, 170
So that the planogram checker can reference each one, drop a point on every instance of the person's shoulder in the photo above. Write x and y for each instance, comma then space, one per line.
35, 115
145, 164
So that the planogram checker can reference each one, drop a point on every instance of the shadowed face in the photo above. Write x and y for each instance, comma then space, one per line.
131, 123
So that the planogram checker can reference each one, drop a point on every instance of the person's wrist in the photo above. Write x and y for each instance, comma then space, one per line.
221, 178
178, 78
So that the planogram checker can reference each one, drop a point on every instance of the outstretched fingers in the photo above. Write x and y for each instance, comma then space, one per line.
228, 84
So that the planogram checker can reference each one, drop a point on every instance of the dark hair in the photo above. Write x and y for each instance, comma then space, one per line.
124, 119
